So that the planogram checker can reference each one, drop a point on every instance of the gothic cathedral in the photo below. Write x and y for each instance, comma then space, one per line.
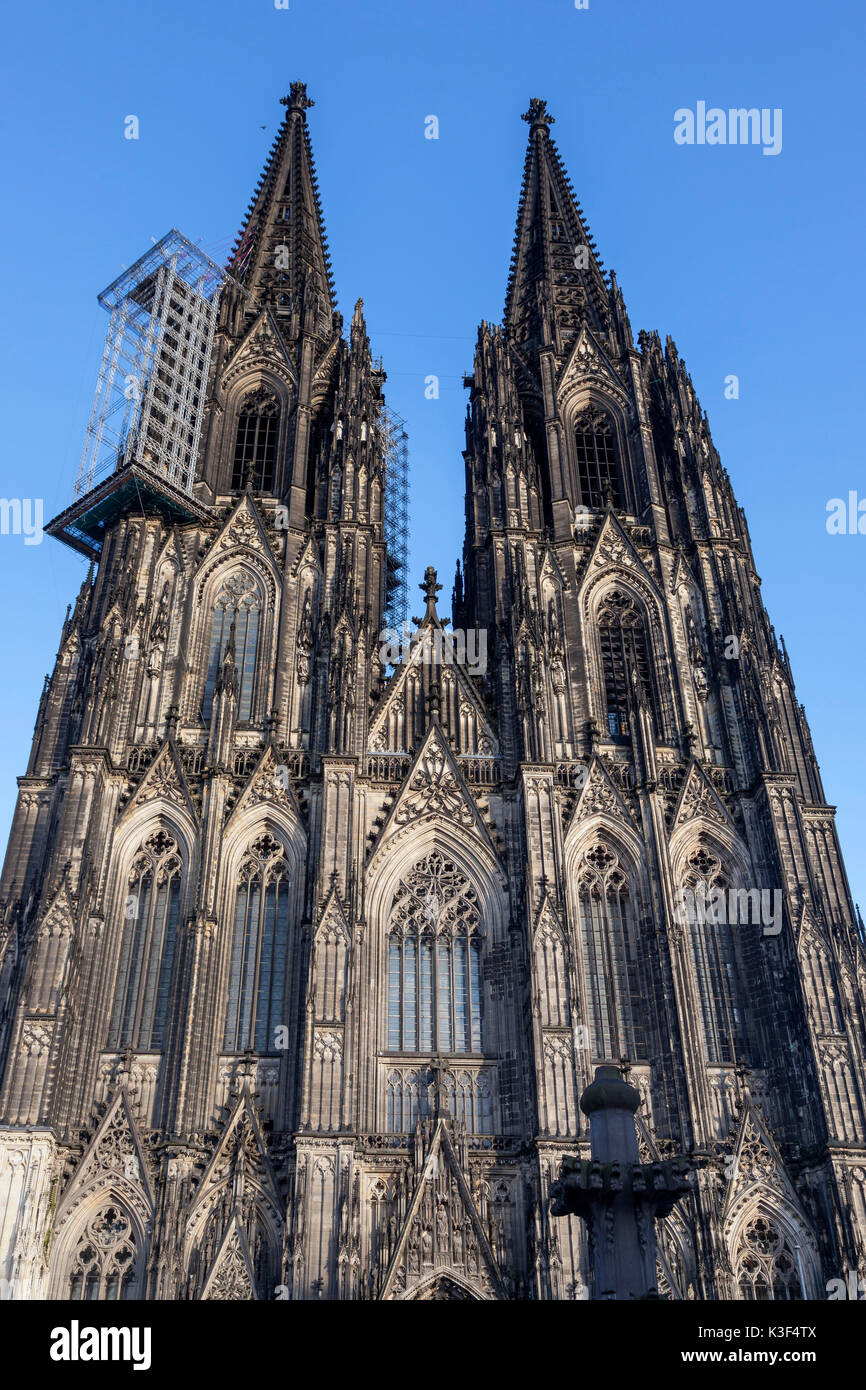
309, 951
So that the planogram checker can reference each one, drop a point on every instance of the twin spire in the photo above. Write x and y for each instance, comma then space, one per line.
557, 279
282, 251
556, 282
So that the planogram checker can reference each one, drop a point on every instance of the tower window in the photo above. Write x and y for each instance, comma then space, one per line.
714, 961
235, 621
147, 949
256, 442
597, 472
434, 962
609, 949
259, 950
625, 662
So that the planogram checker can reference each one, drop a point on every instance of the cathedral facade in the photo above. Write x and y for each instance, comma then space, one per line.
310, 947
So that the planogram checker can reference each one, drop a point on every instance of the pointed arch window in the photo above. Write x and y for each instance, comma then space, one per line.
105, 1263
625, 660
766, 1266
256, 442
434, 961
597, 471
609, 942
713, 956
151, 908
257, 976
236, 620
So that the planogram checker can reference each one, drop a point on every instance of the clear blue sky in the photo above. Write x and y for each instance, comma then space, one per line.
755, 265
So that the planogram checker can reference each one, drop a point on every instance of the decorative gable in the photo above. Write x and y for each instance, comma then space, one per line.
245, 527
262, 348
434, 789
443, 1238
600, 796
589, 362
114, 1163
699, 798
231, 1277
165, 780
269, 785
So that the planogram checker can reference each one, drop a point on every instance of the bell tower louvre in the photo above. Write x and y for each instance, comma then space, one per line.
314, 937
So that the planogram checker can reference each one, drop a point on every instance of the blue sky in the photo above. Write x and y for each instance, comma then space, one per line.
754, 264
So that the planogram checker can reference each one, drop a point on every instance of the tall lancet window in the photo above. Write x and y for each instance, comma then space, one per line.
714, 962
256, 1006
609, 945
625, 662
597, 472
151, 907
256, 442
236, 615
434, 961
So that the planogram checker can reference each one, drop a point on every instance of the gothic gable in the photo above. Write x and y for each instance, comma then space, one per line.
700, 800
393, 702
165, 780
442, 1237
548, 922
114, 1163
245, 528
550, 569
261, 349
59, 918
588, 364
600, 796
332, 919
171, 554
240, 1160
308, 557
682, 574
434, 789
756, 1170
269, 785
231, 1277
613, 548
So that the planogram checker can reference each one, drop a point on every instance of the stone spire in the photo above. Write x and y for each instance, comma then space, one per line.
556, 275
282, 248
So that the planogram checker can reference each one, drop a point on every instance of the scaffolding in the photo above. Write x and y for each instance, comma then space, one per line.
396, 452
149, 399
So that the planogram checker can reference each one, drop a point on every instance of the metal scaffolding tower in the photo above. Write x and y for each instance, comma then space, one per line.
150, 394
396, 451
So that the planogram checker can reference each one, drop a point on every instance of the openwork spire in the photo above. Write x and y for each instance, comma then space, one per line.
282, 249
557, 281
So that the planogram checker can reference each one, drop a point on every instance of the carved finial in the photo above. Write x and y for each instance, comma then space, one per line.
230, 645
297, 100
271, 724
227, 675
430, 589
538, 114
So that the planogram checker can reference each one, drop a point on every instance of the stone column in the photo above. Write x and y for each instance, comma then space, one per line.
617, 1196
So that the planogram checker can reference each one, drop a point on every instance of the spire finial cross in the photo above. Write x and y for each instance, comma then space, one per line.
538, 114
297, 98
430, 589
